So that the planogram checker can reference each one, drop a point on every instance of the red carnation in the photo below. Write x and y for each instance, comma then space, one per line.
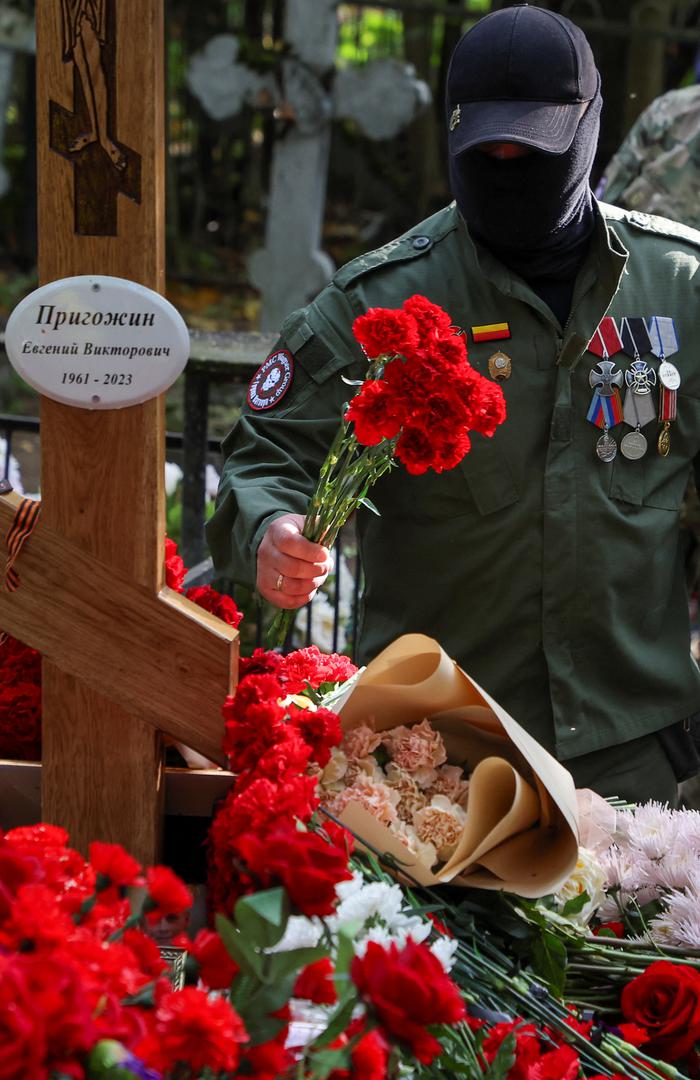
415, 449
665, 1001
374, 412
408, 990
320, 730
311, 666
217, 603
383, 332
431, 320
308, 866
199, 1031
174, 566
560, 1064
114, 864
216, 968
527, 1046
369, 1058
315, 983
167, 894
22, 1028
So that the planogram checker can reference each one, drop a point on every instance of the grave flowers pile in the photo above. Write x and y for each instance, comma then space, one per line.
319, 964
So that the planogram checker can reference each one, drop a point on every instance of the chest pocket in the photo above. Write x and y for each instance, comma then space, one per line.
482, 483
654, 480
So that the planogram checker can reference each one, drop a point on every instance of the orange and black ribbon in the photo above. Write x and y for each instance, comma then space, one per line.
20, 530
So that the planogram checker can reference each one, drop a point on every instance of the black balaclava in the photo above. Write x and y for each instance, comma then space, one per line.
534, 213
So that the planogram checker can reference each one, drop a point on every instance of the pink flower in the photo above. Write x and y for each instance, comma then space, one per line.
360, 742
417, 747
381, 801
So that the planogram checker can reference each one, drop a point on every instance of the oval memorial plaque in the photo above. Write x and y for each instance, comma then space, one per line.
97, 342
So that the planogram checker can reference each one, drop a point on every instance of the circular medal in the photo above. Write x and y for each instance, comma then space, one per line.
669, 375
500, 366
633, 446
606, 447
664, 441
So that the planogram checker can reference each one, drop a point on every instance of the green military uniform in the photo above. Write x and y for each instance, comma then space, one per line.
552, 577
657, 167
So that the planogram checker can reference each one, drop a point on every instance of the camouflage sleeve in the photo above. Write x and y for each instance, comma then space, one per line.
627, 163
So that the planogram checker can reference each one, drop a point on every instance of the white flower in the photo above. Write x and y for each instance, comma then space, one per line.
445, 948
588, 876
173, 476
13, 473
301, 933
211, 481
651, 829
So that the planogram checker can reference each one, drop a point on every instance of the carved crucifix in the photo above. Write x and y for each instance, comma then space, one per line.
124, 658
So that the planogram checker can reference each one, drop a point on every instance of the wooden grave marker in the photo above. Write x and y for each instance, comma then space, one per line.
124, 659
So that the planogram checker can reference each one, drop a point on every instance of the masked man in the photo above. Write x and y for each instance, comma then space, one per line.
547, 562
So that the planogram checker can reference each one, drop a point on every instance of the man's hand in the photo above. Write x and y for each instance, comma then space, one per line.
290, 568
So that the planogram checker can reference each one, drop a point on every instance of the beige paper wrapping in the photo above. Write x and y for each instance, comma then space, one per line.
521, 832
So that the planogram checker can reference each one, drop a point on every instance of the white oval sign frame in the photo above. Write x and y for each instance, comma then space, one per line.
97, 342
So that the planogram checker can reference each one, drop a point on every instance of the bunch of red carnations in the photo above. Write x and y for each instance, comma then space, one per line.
419, 404
82, 987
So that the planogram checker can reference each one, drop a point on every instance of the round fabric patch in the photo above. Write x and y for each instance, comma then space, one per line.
271, 381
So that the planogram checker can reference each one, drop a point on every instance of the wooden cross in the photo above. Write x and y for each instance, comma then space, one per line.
124, 658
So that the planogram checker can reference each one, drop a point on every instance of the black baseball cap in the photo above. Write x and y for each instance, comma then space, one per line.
521, 74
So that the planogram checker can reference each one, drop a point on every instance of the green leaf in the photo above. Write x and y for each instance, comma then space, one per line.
339, 1020
246, 954
284, 963
262, 918
345, 951
575, 905
364, 501
324, 1062
549, 960
503, 1061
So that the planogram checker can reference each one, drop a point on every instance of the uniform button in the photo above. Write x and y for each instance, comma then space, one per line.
639, 218
420, 243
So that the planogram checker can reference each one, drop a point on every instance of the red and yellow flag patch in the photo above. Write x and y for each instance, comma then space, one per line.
491, 332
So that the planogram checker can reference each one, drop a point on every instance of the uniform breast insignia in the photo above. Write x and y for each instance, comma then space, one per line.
605, 410
455, 117
271, 381
638, 409
500, 366
664, 343
491, 332
606, 341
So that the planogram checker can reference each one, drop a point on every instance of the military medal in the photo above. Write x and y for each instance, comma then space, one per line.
606, 341
605, 410
664, 343
640, 378
500, 366
633, 445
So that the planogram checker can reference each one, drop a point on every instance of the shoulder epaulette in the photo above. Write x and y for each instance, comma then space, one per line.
412, 245
653, 223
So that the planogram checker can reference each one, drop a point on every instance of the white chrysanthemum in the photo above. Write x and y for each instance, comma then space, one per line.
415, 928
374, 902
588, 876
623, 869
681, 920
676, 869
445, 949
301, 933
652, 829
